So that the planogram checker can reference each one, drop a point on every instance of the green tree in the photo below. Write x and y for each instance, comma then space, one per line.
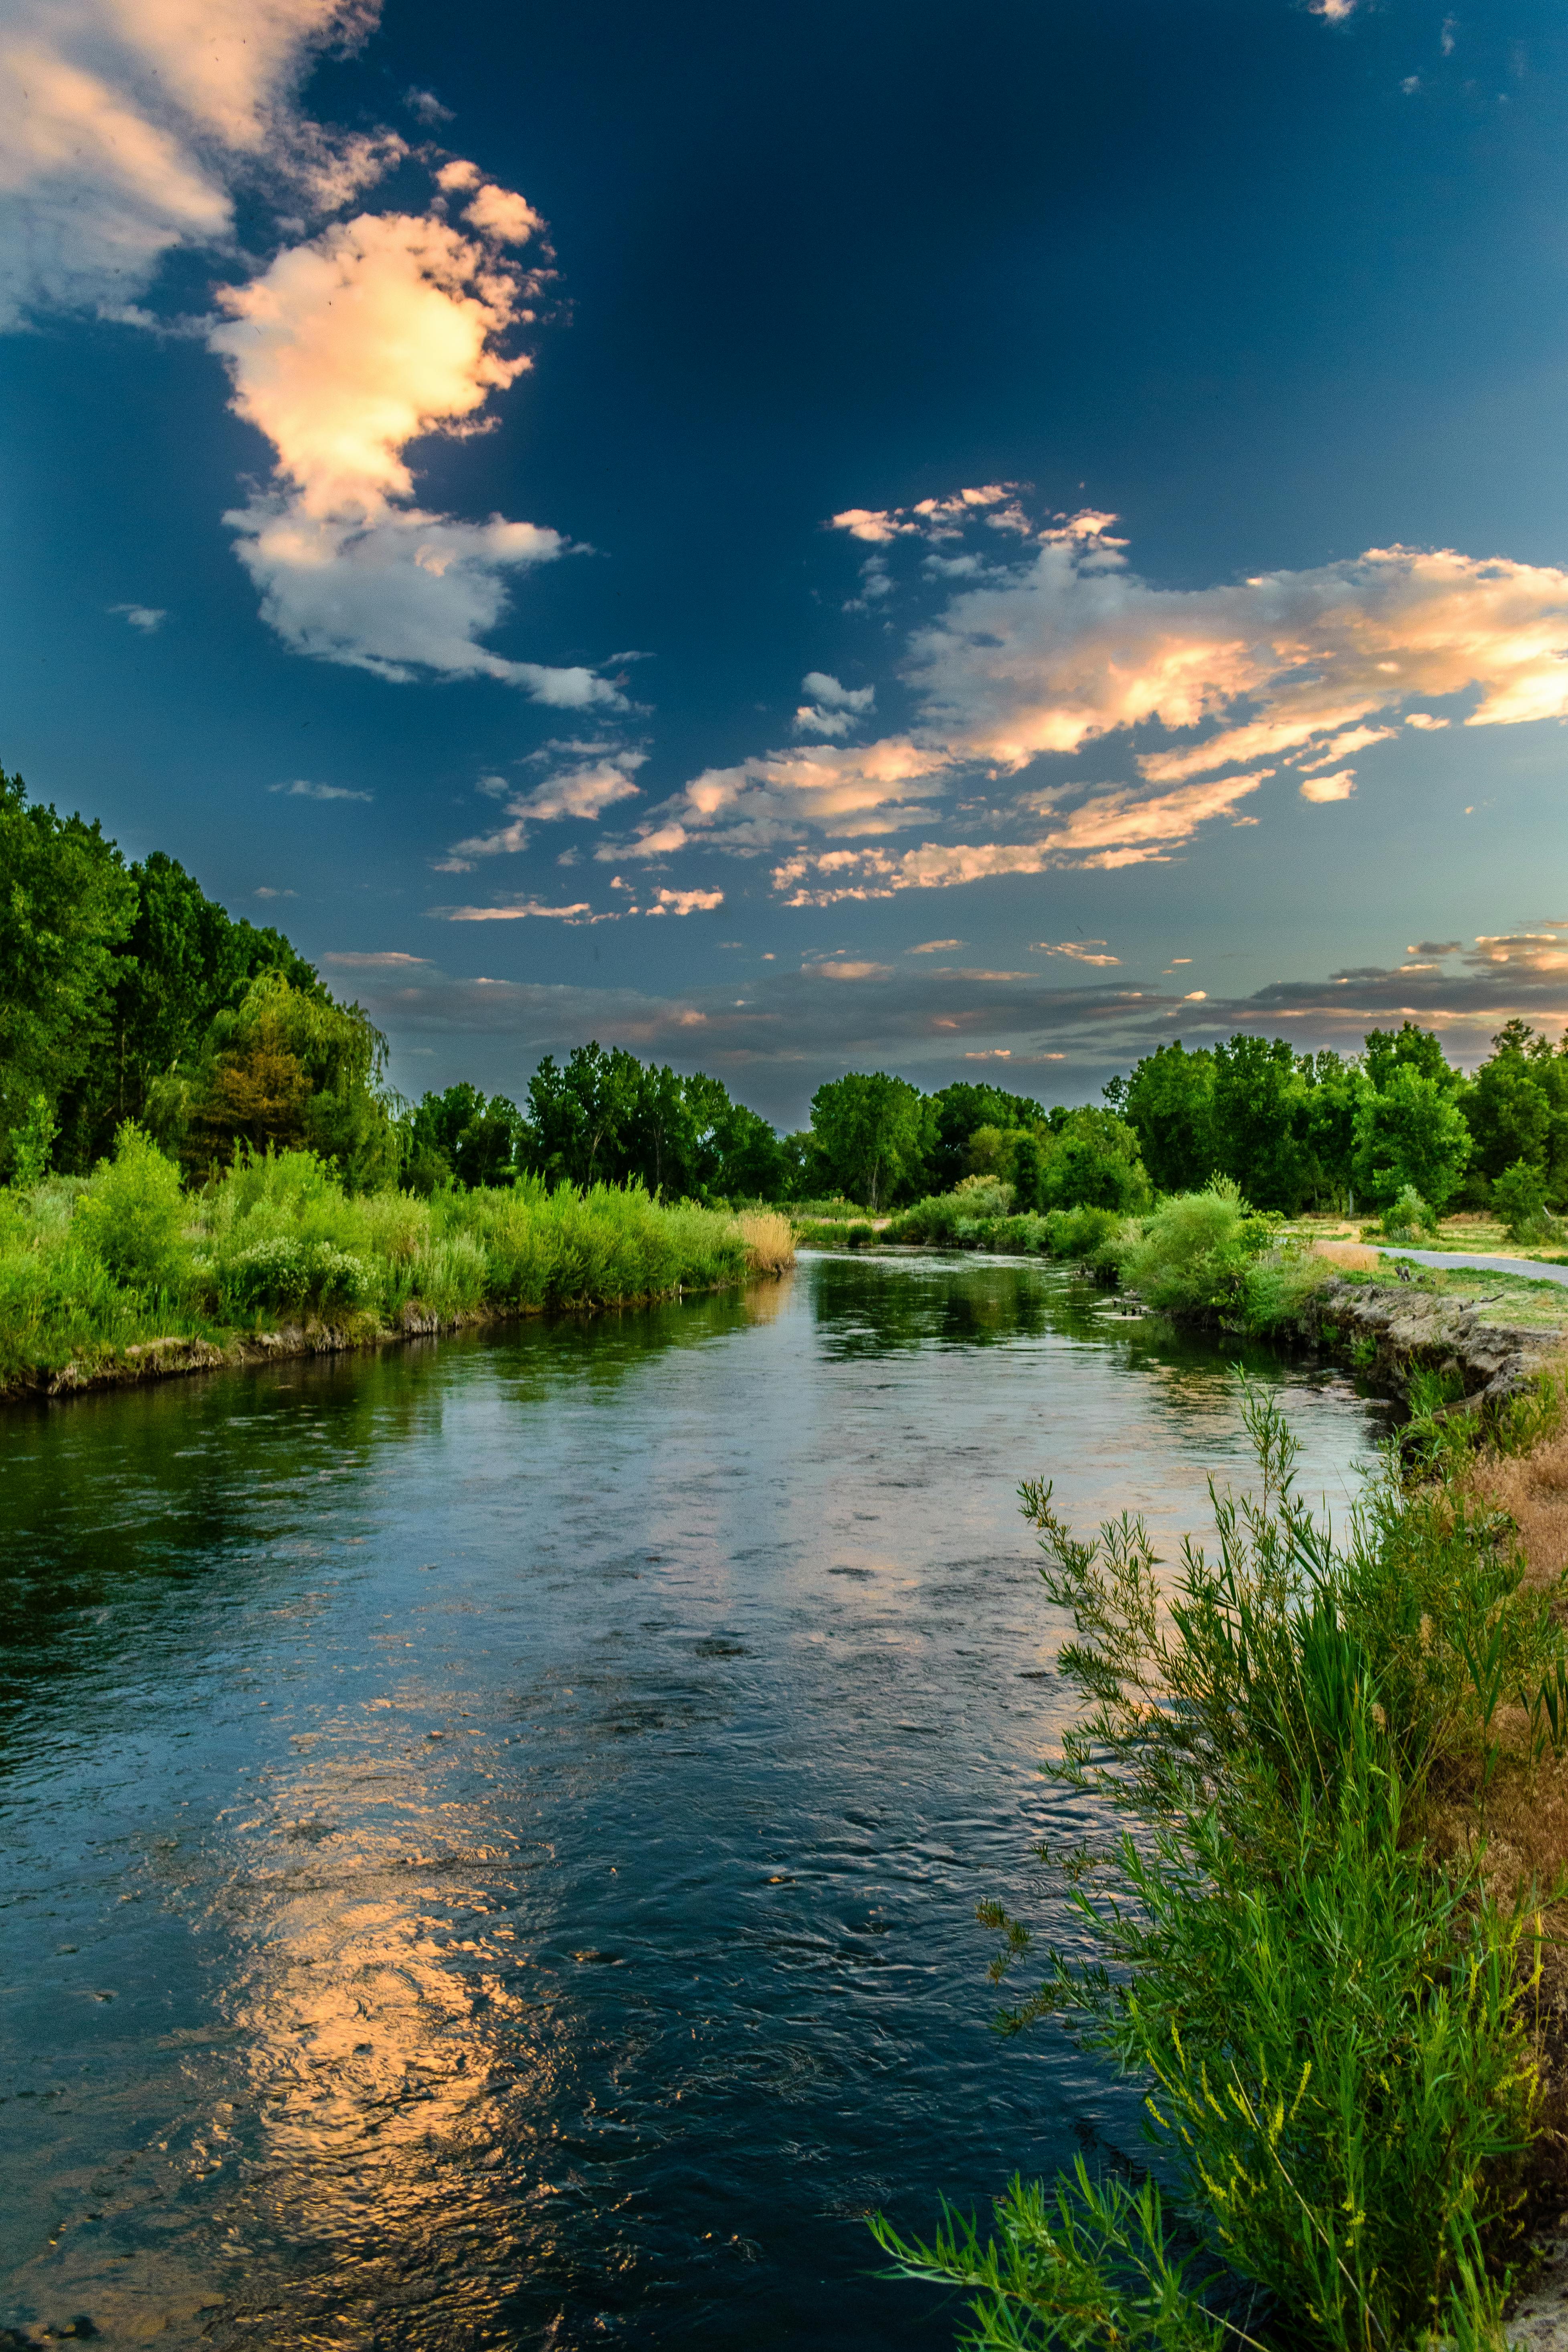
1169, 1101
1092, 1161
1414, 1133
1409, 1049
956, 1112
1261, 1120
871, 1131
1334, 1091
1517, 1106
577, 1115
66, 904
461, 1135
284, 1070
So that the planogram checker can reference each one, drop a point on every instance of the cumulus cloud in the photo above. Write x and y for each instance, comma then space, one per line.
1328, 788
834, 710
1075, 646
684, 902
127, 130
124, 129
933, 947
148, 618
382, 330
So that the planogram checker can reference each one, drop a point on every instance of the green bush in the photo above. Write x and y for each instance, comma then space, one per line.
131, 1214
1409, 1218
1518, 1196
1193, 1255
288, 1272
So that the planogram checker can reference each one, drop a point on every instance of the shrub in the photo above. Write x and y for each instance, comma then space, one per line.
1193, 1253
132, 1213
983, 1196
1520, 1198
1082, 1233
288, 1272
1409, 1218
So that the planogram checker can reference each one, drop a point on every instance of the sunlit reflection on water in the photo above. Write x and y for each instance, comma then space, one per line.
495, 1828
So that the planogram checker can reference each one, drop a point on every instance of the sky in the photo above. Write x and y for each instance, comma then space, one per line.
801, 539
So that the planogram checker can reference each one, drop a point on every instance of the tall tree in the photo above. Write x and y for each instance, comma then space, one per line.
66, 904
871, 1129
1411, 1132
1169, 1099
1517, 1106
957, 1112
1260, 1121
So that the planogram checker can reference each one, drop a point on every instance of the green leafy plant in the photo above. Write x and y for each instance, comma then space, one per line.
32, 1144
1335, 2034
131, 1214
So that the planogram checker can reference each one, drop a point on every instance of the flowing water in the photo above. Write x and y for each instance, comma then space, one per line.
492, 1829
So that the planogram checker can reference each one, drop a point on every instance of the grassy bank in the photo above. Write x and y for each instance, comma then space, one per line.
1328, 1932
91, 1268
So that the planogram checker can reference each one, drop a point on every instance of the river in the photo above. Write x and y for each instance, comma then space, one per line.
492, 1827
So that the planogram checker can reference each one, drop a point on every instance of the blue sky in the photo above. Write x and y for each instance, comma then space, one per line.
1010, 539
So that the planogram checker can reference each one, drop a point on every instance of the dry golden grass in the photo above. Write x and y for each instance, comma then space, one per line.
770, 1240
1356, 1256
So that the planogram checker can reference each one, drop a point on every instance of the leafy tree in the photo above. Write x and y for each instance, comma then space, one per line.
461, 1134
871, 1131
751, 1163
576, 1115
1411, 1133
1092, 1161
956, 1112
1259, 1121
185, 960
66, 904
1409, 1049
1169, 1101
1520, 1195
1517, 1106
284, 1070
1334, 1091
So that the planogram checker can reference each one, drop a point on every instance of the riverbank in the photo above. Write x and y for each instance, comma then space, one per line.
128, 1277
175, 1355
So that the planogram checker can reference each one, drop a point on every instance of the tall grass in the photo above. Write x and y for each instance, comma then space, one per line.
1336, 2034
88, 1269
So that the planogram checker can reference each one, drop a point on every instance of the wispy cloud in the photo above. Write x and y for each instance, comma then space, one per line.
1204, 695
793, 1028
518, 911
583, 788
1076, 950
148, 618
300, 790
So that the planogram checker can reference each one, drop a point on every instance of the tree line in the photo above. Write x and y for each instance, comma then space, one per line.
127, 994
